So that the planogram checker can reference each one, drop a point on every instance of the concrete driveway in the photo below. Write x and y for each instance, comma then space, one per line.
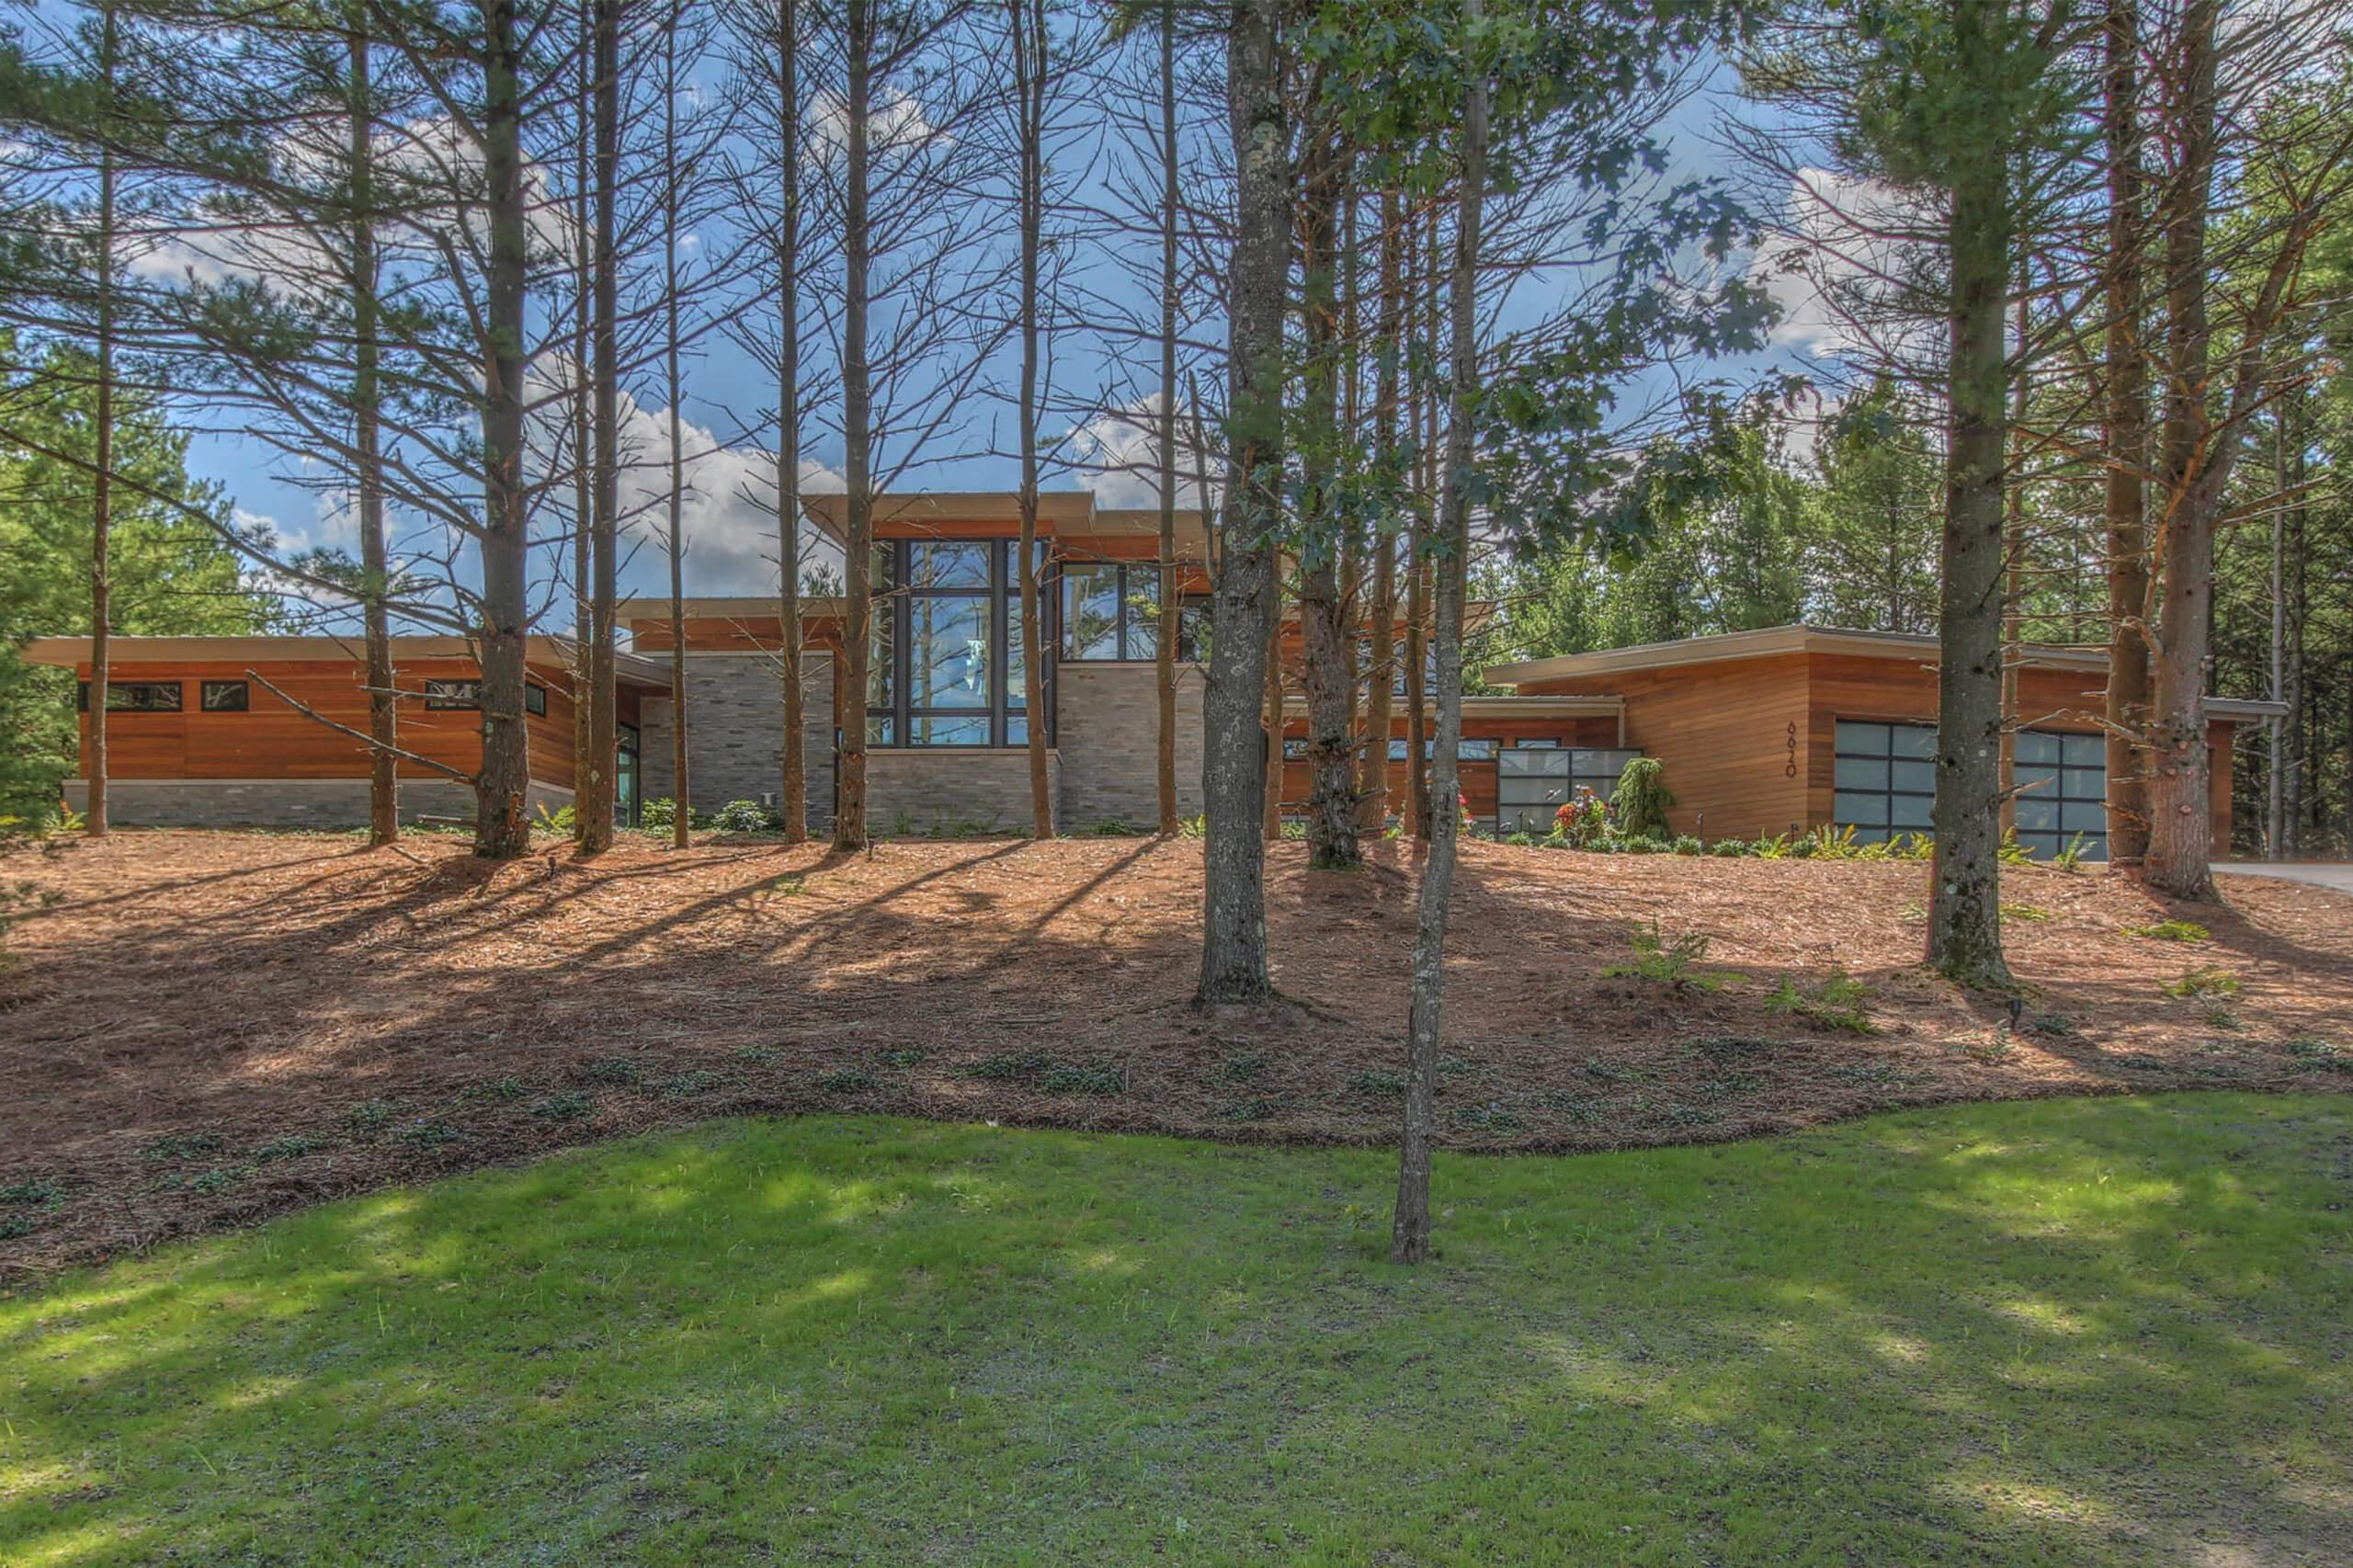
2326, 874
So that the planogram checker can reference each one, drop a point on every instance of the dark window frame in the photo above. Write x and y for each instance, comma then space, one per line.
1124, 653
1887, 793
891, 725
119, 688
2058, 770
535, 700
206, 691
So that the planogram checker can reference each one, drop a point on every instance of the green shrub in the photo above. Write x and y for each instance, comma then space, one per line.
1731, 848
848, 1081
569, 1106
1835, 1003
1247, 1068
619, 1070
424, 1135
34, 1192
660, 815
558, 822
293, 1146
2200, 983
2171, 931
1686, 843
747, 816
369, 1115
1641, 801
903, 1056
1009, 1068
1520, 840
1667, 961
181, 1146
1377, 1084
1085, 1078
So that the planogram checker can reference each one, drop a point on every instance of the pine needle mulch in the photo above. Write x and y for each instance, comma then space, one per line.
207, 1028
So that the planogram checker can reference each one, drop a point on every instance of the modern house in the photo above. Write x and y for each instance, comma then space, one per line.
1759, 732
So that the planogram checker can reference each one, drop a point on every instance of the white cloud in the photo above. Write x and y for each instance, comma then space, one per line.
1841, 240
727, 510
1119, 456
894, 124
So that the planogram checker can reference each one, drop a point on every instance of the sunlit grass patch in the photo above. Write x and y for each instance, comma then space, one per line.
2057, 1332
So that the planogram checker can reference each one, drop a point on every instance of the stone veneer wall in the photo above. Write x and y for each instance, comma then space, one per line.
735, 734
1101, 769
1107, 729
916, 791
324, 803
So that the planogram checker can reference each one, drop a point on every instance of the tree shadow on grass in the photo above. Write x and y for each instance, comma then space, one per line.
2083, 1333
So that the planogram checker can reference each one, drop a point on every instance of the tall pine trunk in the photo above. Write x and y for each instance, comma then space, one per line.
792, 800
1964, 898
94, 820
1164, 646
502, 827
2126, 703
594, 805
682, 820
1410, 1234
1029, 87
383, 721
1322, 607
2180, 824
1373, 787
857, 407
1234, 765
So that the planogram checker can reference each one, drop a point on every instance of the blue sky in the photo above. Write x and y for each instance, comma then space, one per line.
729, 528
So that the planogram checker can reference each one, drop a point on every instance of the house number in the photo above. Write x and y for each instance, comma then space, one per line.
1792, 771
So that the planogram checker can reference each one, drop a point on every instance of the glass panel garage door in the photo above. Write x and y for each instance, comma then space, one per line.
2062, 793
1886, 779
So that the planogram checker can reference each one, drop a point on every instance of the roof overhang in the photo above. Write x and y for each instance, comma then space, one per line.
71, 653
1056, 509
1773, 642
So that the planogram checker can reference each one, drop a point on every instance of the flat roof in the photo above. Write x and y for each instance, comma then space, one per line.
1769, 641
1765, 644
73, 651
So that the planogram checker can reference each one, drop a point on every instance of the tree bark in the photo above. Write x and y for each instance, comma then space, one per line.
1410, 1235
1322, 610
682, 820
383, 715
1029, 87
1965, 895
1234, 767
2126, 704
595, 806
1164, 652
858, 408
501, 829
792, 798
94, 816
2180, 824
1372, 787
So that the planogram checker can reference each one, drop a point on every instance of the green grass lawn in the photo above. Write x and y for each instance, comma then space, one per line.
2065, 1331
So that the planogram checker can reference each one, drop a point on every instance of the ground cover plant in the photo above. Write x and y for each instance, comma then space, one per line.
2067, 1332
215, 1027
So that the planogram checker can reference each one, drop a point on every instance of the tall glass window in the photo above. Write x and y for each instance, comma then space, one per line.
1111, 611
947, 663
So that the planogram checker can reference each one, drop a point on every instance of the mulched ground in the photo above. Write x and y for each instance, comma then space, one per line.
210, 1026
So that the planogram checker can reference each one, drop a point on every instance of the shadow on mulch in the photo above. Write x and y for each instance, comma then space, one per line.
214, 1027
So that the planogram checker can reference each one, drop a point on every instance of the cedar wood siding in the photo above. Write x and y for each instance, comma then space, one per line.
1723, 731
1847, 686
271, 740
